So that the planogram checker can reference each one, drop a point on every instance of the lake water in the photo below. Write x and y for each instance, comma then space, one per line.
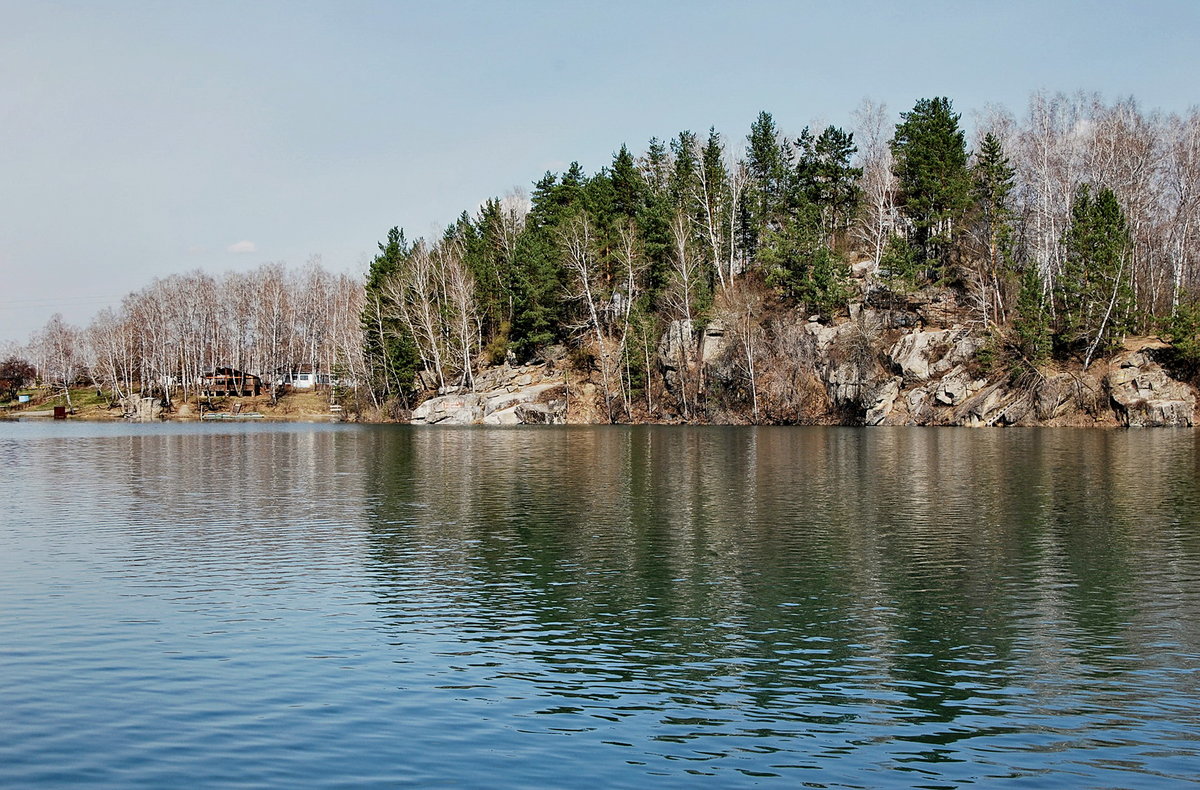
359, 606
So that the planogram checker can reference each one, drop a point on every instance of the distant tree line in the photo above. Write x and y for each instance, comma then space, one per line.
162, 339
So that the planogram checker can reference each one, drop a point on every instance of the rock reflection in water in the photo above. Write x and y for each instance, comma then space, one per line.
832, 588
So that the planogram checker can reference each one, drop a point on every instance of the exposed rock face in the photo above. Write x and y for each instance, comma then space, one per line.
901, 359
847, 365
677, 352
466, 409
686, 349
141, 409
931, 307
1055, 397
919, 356
677, 348
929, 378
713, 343
984, 404
502, 396
1146, 397
863, 269
882, 404
824, 337
956, 386
936, 306
855, 384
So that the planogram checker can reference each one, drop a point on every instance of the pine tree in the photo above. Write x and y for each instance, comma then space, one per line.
599, 203
683, 175
599, 198
696, 184
801, 265
657, 167
715, 206
539, 277
992, 179
543, 206
900, 263
931, 170
825, 178
388, 346
571, 185
769, 161
1031, 324
1183, 330
484, 253
538, 287
1094, 290
712, 164
654, 218
629, 189
555, 198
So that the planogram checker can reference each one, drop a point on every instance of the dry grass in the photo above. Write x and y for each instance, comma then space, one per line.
88, 405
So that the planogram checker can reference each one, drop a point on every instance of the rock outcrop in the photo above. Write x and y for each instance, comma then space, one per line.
1146, 397
932, 377
898, 359
503, 395
135, 409
919, 356
883, 402
677, 353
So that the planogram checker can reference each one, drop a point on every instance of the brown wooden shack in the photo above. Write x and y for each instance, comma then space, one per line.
230, 381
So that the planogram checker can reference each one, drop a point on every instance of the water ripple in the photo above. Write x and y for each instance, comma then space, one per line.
338, 606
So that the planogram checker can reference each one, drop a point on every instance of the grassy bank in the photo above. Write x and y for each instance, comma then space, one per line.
88, 404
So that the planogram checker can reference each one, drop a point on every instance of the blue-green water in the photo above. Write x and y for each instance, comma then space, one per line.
344, 606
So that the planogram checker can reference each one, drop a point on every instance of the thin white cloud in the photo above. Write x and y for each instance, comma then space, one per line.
242, 246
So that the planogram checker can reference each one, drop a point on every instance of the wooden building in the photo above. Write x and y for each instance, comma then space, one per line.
230, 381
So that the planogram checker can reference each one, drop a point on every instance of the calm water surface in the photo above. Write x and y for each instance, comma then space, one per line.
346, 606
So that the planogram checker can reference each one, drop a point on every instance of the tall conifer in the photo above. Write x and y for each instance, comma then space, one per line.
931, 170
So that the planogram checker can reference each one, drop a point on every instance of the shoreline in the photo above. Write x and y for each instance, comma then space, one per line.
316, 419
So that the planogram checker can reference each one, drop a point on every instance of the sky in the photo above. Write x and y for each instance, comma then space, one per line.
144, 139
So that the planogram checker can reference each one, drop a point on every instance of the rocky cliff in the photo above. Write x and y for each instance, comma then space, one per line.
909, 359
918, 361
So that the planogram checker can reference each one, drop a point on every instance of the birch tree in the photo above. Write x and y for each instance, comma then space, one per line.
1181, 193
579, 248
877, 216
57, 348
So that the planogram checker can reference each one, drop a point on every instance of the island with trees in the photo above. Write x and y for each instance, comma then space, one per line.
892, 272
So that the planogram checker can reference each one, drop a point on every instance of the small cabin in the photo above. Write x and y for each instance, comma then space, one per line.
230, 381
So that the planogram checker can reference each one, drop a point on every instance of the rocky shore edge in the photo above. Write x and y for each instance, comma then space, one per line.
908, 362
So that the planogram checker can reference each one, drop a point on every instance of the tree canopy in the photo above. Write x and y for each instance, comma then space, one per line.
931, 170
